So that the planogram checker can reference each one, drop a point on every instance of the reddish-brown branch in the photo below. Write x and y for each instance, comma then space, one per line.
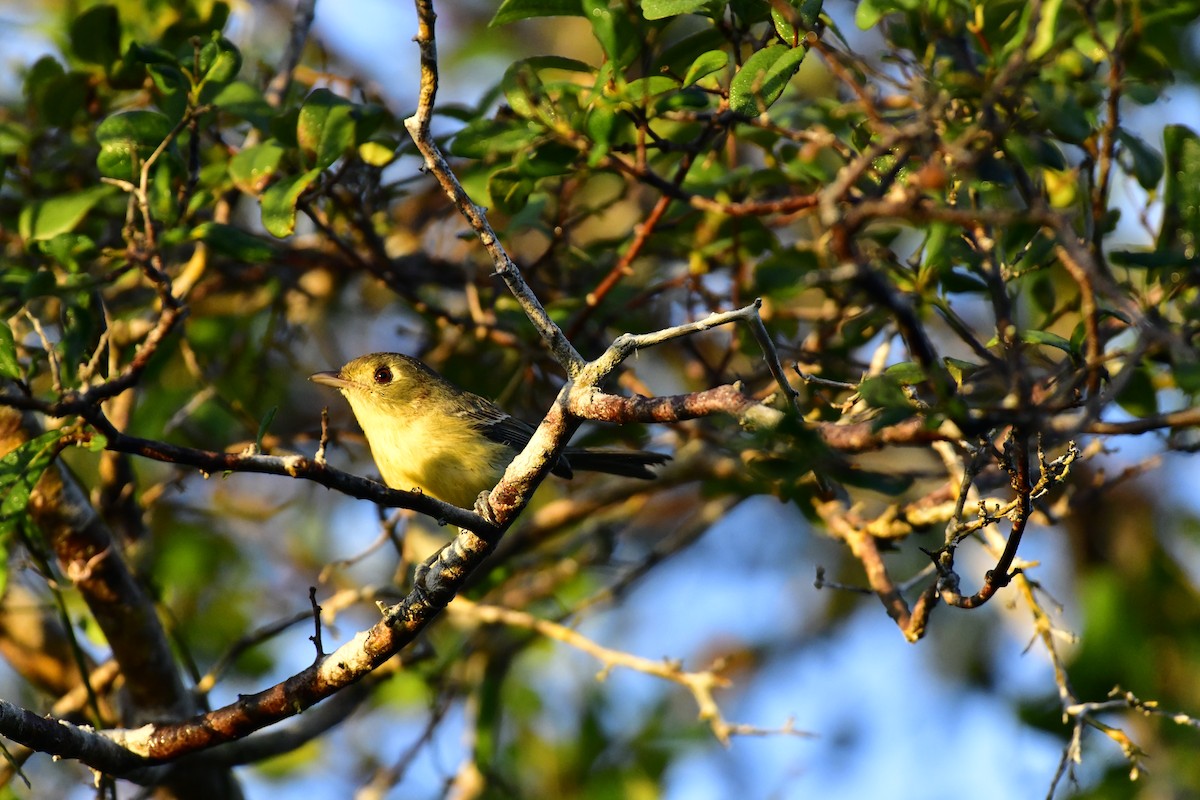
623, 267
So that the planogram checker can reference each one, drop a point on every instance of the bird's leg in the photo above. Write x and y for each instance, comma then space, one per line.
484, 509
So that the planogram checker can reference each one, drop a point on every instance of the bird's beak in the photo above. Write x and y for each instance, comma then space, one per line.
329, 379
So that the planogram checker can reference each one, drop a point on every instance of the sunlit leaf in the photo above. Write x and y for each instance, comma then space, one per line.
9, 366
253, 168
48, 218
20, 470
325, 127
513, 10
661, 9
762, 79
705, 65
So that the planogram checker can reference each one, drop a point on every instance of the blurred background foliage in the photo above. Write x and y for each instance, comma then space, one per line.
973, 229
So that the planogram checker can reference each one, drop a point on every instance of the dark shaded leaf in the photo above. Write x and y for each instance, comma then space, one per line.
1138, 397
127, 139
96, 35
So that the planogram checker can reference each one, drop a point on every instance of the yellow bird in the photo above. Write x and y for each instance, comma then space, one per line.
428, 435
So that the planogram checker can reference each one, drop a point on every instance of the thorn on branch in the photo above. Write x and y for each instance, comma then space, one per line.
316, 611
319, 457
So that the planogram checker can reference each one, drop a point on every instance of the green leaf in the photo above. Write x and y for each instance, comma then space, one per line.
884, 391
749, 12
169, 79
1059, 110
220, 62
376, 153
1043, 295
245, 101
234, 242
1138, 397
522, 88
907, 373
809, 11
14, 138
68, 99
369, 118
195, 20
509, 190
781, 276
1047, 28
794, 19
10, 367
678, 57
46, 219
485, 137
547, 160
1187, 377
643, 89
869, 12
263, 426
705, 65
1147, 163
253, 168
325, 127
71, 250
279, 203
95, 35
513, 10
1143, 259
762, 79
150, 54
127, 139
661, 9
959, 370
600, 124
1180, 230
20, 470
612, 29
1047, 339
1034, 151
40, 77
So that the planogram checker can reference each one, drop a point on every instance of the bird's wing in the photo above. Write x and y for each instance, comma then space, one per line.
493, 423
503, 428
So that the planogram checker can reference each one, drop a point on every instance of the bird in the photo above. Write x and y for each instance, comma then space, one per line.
428, 435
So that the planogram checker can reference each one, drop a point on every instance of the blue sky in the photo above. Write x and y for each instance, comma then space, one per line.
883, 711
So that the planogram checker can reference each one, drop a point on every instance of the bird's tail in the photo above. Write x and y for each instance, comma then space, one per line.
627, 463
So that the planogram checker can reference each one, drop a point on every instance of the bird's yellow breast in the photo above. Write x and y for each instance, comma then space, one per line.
453, 463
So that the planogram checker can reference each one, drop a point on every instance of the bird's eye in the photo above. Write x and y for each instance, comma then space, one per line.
383, 375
